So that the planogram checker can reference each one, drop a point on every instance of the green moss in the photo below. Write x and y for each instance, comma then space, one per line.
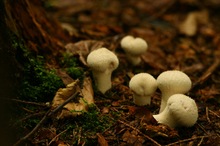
71, 66
95, 121
39, 83
75, 72
88, 125
68, 60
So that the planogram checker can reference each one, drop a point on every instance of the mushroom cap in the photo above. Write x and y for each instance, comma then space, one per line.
183, 110
174, 81
143, 84
102, 59
134, 46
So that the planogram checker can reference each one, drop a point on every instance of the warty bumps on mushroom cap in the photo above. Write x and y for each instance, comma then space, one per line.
181, 110
143, 86
172, 82
101, 59
134, 46
102, 63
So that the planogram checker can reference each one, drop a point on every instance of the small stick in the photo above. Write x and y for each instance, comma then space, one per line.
207, 114
26, 102
200, 141
189, 139
214, 113
48, 114
27, 117
208, 72
57, 136
200, 126
149, 138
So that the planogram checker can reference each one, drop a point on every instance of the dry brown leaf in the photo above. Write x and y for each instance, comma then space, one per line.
70, 29
83, 48
74, 108
63, 144
143, 114
161, 130
64, 93
87, 91
64, 77
133, 138
101, 140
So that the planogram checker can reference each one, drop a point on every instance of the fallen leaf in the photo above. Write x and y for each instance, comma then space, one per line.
160, 130
70, 29
133, 137
87, 91
63, 144
105, 110
101, 140
64, 77
143, 114
77, 107
64, 93
83, 48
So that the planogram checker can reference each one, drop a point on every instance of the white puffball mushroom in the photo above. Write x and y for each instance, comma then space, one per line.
134, 48
143, 86
181, 111
102, 63
172, 82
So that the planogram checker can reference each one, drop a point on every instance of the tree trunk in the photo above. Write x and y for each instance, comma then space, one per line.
28, 21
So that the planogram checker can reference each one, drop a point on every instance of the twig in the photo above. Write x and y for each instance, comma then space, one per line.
208, 72
200, 126
27, 117
26, 102
200, 141
163, 10
189, 139
149, 138
57, 136
214, 113
207, 114
48, 114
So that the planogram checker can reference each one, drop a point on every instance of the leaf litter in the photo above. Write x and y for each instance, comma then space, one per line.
177, 40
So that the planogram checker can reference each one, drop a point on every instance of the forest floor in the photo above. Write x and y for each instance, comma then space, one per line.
181, 35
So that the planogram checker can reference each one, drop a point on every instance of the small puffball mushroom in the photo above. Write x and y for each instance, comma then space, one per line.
143, 86
181, 111
102, 63
133, 48
172, 82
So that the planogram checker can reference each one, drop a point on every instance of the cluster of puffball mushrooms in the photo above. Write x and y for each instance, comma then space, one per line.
176, 109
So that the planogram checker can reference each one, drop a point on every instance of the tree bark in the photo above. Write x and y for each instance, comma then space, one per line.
28, 19
42, 35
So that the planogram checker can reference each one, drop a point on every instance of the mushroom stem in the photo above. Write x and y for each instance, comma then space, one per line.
134, 59
165, 118
102, 63
164, 99
103, 80
172, 82
141, 100
134, 48
143, 86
